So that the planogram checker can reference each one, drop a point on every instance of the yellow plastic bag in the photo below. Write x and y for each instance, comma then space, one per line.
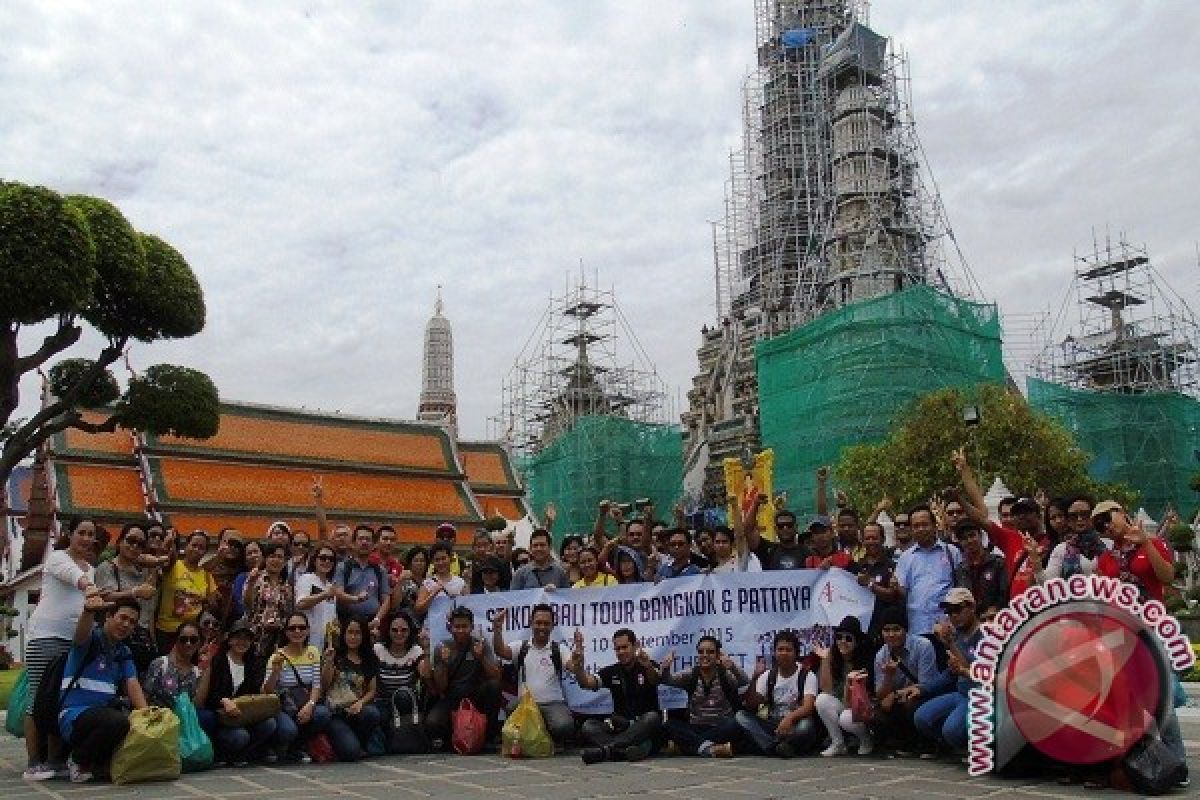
150, 751
524, 734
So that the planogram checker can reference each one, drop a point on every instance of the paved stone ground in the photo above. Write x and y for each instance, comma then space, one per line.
566, 778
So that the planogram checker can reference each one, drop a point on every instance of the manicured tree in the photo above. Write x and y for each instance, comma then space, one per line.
73, 260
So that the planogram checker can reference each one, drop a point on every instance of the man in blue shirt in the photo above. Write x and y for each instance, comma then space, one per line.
679, 549
906, 674
925, 572
943, 718
365, 589
98, 665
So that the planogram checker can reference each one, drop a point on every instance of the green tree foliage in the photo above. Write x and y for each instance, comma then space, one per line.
171, 400
1026, 449
67, 261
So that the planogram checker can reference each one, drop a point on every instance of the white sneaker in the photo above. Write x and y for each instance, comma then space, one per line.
835, 749
866, 745
38, 772
78, 773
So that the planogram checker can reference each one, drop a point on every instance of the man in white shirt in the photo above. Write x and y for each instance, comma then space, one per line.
789, 693
539, 666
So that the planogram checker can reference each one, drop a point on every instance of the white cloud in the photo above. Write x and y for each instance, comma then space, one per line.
323, 168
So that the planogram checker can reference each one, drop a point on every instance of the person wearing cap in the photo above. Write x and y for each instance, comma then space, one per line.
925, 572
846, 663
983, 572
489, 571
447, 534
942, 717
1135, 557
905, 669
1024, 545
823, 551
230, 674
280, 533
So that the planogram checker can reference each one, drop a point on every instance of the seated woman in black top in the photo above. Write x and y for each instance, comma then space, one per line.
232, 673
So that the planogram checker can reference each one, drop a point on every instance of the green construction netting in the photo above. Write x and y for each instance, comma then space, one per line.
1148, 441
840, 379
605, 458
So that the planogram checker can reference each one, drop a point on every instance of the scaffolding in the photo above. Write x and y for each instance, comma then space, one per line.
580, 393
1125, 380
829, 202
841, 379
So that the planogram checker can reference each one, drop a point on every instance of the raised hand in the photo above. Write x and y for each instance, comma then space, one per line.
822, 474
725, 661
841, 498
668, 661
577, 640
890, 665
477, 651
959, 459
760, 666
498, 618
550, 513
643, 657
1042, 499
821, 650
444, 653
318, 489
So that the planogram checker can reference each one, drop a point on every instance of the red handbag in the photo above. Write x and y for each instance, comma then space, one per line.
321, 749
468, 729
861, 709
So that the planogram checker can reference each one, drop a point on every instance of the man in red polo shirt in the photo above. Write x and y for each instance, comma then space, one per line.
1024, 547
821, 543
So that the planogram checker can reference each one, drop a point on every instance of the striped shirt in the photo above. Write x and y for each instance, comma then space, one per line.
110, 666
307, 666
396, 673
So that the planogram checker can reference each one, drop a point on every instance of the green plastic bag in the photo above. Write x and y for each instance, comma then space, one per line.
195, 748
150, 751
18, 702
524, 734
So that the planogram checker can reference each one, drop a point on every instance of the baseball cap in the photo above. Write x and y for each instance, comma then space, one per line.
957, 597
818, 521
1025, 505
240, 626
446, 527
1106, 506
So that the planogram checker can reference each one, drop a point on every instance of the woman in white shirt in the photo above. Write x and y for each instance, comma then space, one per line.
441, 580
316, 596
67, 575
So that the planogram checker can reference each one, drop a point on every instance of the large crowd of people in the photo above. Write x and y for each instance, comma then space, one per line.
335, 625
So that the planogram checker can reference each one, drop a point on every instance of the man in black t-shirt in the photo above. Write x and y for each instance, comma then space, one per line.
628, 734
463, 669
788, 552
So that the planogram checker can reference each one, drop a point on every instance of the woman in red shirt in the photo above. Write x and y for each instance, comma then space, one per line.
1136, 557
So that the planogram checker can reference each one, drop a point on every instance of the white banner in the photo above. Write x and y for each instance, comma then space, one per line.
742, 610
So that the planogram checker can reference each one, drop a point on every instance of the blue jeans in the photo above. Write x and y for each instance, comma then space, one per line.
689, 737
241, 743
763, 733
349, 734
288, 732
944, 718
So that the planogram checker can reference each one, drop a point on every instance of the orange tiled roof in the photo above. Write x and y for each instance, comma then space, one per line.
260, 468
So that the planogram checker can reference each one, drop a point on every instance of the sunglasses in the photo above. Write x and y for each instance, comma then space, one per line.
188, 639
1079, 515
845, 637
953, 608
134, 541
294, 628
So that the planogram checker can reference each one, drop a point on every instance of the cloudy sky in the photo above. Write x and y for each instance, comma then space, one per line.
324, 168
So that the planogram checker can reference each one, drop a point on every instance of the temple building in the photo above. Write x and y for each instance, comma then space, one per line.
260, 467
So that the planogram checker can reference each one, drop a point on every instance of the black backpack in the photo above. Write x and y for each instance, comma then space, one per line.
47, 703
555, 657
773, 677
349, 563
